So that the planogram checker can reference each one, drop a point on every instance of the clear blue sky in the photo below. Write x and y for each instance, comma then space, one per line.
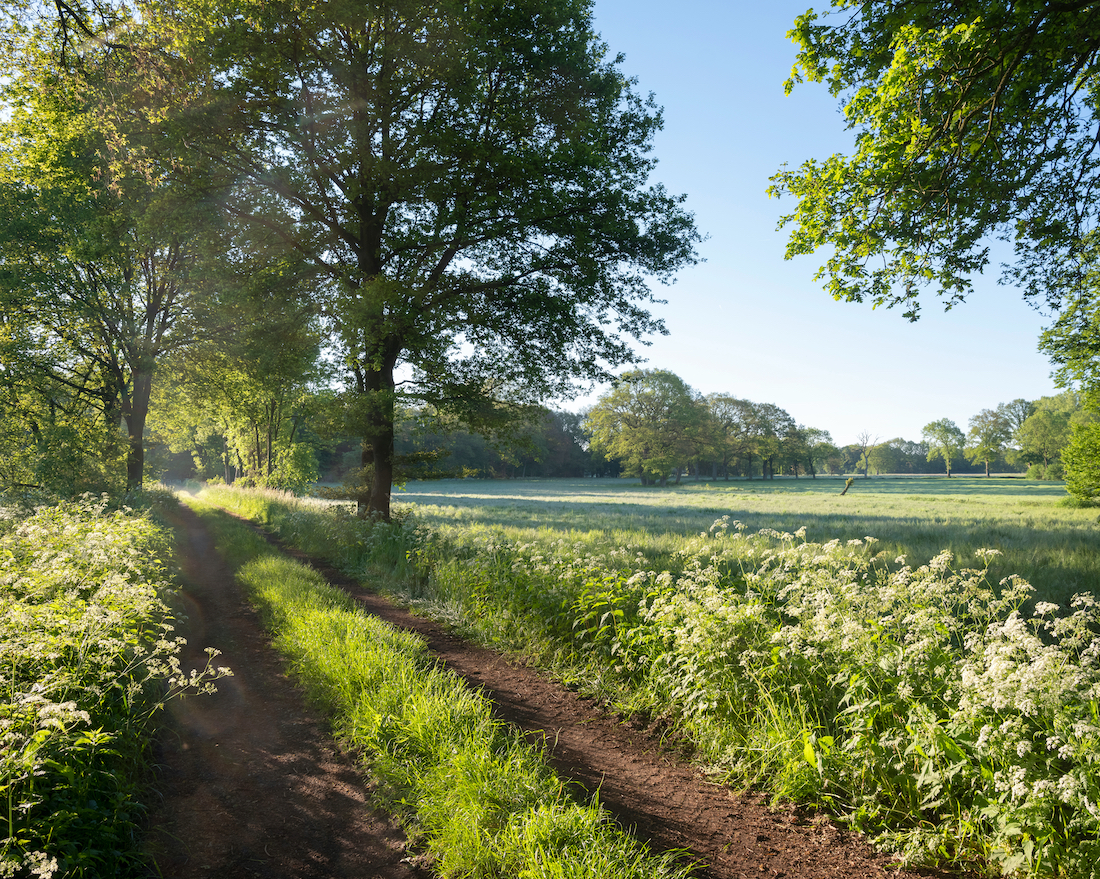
749, 323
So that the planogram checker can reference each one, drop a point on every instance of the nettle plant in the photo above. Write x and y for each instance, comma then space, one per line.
88, 658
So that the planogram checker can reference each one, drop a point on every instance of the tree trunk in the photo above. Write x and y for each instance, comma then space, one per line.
135, 414
377, 389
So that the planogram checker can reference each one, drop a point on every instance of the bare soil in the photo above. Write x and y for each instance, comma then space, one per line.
252, 784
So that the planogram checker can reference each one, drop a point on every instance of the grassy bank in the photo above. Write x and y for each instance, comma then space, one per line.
87, 658
932, 699
478, 799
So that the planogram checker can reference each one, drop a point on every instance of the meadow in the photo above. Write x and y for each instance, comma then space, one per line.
882, 655
1050, 544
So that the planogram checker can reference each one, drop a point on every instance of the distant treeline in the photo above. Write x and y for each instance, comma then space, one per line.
649, 425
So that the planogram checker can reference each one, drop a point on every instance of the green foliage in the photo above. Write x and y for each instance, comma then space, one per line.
1081, 459
96, 247
651, 421
944, 440
1046, 431
972, 121
481, 800
89, 658
990, 433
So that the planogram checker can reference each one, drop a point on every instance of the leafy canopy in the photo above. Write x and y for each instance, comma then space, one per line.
650, 420
973, 119
945, 440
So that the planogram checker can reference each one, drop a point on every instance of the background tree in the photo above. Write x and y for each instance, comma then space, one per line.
1081, 459
884, 458
865, 442
470, 182
1046, 432
819, 447
990, 433
972, 121
651, 421
250, 390
945, 440
1015, 412
95, 244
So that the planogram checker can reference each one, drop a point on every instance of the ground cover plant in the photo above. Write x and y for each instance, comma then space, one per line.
482, 801
934, 700
87, 657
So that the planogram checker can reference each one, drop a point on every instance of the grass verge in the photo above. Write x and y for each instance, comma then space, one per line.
480, 800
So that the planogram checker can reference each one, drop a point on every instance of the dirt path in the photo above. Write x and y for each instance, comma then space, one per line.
255, 788
252, 784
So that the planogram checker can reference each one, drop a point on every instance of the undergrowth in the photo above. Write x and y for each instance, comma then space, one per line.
952, 718
87, 658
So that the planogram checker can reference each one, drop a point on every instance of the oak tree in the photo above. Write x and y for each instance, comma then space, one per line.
651, 421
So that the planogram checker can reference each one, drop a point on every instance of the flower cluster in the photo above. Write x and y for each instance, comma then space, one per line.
927, 703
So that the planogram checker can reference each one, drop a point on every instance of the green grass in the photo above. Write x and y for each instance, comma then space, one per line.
482, 802
1050, 544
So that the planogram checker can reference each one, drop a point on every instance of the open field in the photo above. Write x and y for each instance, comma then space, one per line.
1050, 545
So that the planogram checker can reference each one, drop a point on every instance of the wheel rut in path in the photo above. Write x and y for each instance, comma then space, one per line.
647, 787
251, 784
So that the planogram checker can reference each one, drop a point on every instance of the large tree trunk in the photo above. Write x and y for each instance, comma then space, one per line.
377, 388
135, 414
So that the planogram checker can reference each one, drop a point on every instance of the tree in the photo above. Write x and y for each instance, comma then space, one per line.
1081, 458
773, 430
1073, 345
972, 121
945, 440
470, 182
94, 250
884, 458
818, 447
251, 390
1043, 436
738, 425
865, 442
990, 432
651, 421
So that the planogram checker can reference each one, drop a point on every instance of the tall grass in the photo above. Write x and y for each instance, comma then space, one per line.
941, 706
483, 802
87, 658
